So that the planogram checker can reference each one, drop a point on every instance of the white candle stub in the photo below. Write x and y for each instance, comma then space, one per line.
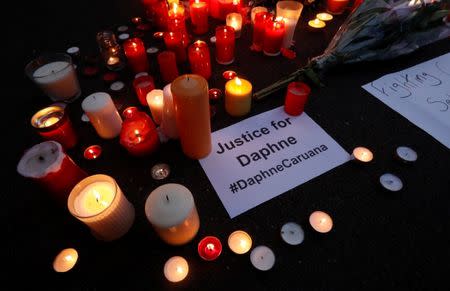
124, 36
292, 233
122, 28
74, 50
176, 269
391, 182
84, 118
117, 86
41, 159
262, 258
406, 154
140, 74
213, 39
152, 50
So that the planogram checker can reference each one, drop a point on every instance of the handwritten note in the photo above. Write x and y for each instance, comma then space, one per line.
421, 94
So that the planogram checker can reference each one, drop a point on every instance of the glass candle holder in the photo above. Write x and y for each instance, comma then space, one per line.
259, 29
55, 75
110, 50
296, 96
337, 7
273, 36
235, 20
290, 11
199, 16
52, 123
200, 59
225, 42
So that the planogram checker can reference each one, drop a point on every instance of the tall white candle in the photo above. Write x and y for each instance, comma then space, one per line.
156, 103
171, 210
168, 123
103, 114
99, 202
290, 11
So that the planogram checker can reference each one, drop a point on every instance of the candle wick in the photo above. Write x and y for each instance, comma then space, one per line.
41, 158
167, 198
262, 258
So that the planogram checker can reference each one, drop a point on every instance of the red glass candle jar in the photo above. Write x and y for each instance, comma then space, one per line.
136, 55
225, 44
273, 36
168, 66
209, 248
142, 86
259, 29
228, 6
337, 6
52, 123
173, 41
139, 135
48, 165
296, 96
199, 16
200, 59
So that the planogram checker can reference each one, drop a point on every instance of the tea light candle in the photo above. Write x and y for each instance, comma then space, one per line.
406, 154
103, 114
225, 43
160, 171
337, 6
259, 28
296, 96
168, 120
324, 16
256, 10
174, 42
238, 97
65, 260
139, 135
316, 24
176, 269
155, 101
273, 36
117, 86
200, 59
214, 9
171, 210
168, 66
98, 202
362, 154
142, 86
136, 55
321, 221
130, 112
292, 233
262, 258
199, 16
209, 248
391, 182
290, 11
229, 75
92, 152
235, 20
239, 242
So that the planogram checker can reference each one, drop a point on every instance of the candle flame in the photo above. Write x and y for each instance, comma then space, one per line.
243, 243
316, 21
236, 2
238, 81
68, 258
210, 246
136, 132
197, 1
174, 8
179, 269
98, 198
322, 220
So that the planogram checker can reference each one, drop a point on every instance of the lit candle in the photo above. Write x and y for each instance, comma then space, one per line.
290, 11
52, 123
199, 16
235, 20
256, 10
209, 248
225, 42
168, 120
174, 42
176, 269
110, 50
259, 29
136, 55
273, 36
102, 114
65, 260
239, 242
296, 96
98, 202
324, 16
48, 166
92, 152
362, 154
142, 86
337, 6
171, 210
168, 66
177, 21
191, 102
155, 101
200, 59
321, 221
238, 97
316, 24
262, 258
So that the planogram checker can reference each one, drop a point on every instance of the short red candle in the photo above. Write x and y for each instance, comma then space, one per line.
52, 123
173, 41
273, 36
136, 55
296, 96
129, 111
156, 10
337, 6
92, 152
142, 86
200, 59
209, 248
259, 29
199, 16
139, 135
167, 66
225, 44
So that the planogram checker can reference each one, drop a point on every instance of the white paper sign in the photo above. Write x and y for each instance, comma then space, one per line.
266, 155
421, 94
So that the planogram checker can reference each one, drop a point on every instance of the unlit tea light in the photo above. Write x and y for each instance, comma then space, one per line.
391, 182
65, 260
292, 233
406, 154
321, 221
176, 269
262, 258
239, 242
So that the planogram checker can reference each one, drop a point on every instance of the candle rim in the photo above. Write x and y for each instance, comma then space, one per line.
45, 112
245, 234
45, 59
321, 14
23, 168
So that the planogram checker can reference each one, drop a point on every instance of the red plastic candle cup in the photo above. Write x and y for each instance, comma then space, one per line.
214, 9
199, 16
142, 86
209, 248
200, 59
225, 44
52, 123
136, 55
229, 75
139, 135
259, 29
273, 36
214, 95
129, 112
92, 152
174, 42
337, 6
168, 66
296, 96
48, 166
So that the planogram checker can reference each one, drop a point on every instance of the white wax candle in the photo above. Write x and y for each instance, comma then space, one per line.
155, 101
321, 221
103, 114
292, 233
168, 123
95, 198
176, 269
289, 25
262, 258
58, 80
171, 210
65, 260
239, 242
290, 11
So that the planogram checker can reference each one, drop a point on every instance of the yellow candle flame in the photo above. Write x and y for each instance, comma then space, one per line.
210, 247
238, 81
197, 1
174, 8
98, 198
68, 258
179, 269
235, 2
243, 243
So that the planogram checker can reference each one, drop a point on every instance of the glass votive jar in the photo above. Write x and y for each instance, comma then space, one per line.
111, 51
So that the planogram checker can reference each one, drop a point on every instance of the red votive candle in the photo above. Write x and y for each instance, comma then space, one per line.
199, 16
214, 9
136, 55
142, 85
52, 123
48, 165
273, 36
92, 152
200, 59
337, 6
173, 41
139, 135
228, 6
225, 45
209, 248
259, 29
167, 66
296, 96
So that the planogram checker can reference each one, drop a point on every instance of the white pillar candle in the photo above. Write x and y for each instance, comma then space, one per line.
256, 10
239, 242
65, 260
171, 210
99, 202
103, 114
235, 20
290, 11
321, 221
176, 269
168, 123
155, 101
